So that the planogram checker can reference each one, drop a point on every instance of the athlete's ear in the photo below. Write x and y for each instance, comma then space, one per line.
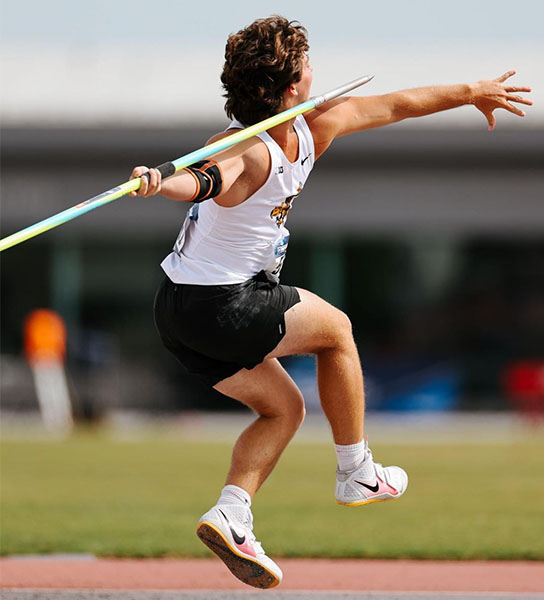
292, 89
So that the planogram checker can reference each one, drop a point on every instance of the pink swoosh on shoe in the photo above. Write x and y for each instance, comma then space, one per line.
247, 548
386, 488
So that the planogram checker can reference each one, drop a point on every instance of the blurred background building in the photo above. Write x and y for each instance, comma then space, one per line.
429, 234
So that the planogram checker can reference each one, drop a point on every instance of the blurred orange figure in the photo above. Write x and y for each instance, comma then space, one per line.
45, 336
45, 348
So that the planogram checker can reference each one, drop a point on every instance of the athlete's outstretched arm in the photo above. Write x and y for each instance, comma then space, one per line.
349, 115
181, 186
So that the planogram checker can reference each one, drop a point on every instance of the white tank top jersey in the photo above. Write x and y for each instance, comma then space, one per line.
219, 245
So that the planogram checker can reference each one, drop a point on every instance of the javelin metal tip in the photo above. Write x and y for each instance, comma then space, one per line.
343, 89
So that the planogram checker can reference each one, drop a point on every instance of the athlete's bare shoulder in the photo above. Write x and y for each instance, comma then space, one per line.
323, 123
254, 166
253, 148
221, 135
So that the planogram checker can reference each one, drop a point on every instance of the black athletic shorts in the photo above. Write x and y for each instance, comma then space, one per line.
216, 330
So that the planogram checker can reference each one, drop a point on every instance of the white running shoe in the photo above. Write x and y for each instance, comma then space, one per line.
369, 482
232, 539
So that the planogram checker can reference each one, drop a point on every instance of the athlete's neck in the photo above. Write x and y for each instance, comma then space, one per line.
286, 137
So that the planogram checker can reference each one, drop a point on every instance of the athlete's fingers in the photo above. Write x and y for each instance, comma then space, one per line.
137, 172
519, 99
517, 88
491, 120
159, 180
505, 76
150, 181
514, 109
144, 184
154, 182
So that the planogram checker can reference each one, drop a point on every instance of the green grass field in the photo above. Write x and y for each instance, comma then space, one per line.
144, 497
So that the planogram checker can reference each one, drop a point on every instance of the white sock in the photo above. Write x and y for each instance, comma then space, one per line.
351, 456
232, 494
235, 501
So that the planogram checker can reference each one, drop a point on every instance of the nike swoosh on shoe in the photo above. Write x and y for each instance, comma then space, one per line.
372, 488
240, 541
379, 487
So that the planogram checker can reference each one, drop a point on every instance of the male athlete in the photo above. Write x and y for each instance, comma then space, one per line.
221, 310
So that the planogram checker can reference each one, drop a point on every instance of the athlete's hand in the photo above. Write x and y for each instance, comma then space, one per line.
495, 93
148, 187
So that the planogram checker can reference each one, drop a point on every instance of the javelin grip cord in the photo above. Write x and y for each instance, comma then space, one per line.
166, 170
170, 168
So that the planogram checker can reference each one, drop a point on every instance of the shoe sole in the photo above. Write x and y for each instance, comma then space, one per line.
245, 569
370, 501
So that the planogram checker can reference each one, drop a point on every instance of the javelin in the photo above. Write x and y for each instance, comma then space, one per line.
169, 168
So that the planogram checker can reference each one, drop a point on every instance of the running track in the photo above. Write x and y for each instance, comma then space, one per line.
63, 578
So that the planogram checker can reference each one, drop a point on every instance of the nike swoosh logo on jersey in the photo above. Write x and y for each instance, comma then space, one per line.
305, 159
238, 539
372, 488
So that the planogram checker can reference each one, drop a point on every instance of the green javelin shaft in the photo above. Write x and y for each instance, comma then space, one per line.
168, 169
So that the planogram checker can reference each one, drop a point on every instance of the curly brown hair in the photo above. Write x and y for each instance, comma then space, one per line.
261, 62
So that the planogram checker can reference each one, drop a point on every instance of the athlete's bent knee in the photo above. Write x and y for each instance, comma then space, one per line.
343, 330
299, 413
294, 410
345, 323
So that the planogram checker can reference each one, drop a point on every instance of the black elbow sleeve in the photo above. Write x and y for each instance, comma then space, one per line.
209, 179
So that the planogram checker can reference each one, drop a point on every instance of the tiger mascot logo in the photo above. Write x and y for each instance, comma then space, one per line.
280, 212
